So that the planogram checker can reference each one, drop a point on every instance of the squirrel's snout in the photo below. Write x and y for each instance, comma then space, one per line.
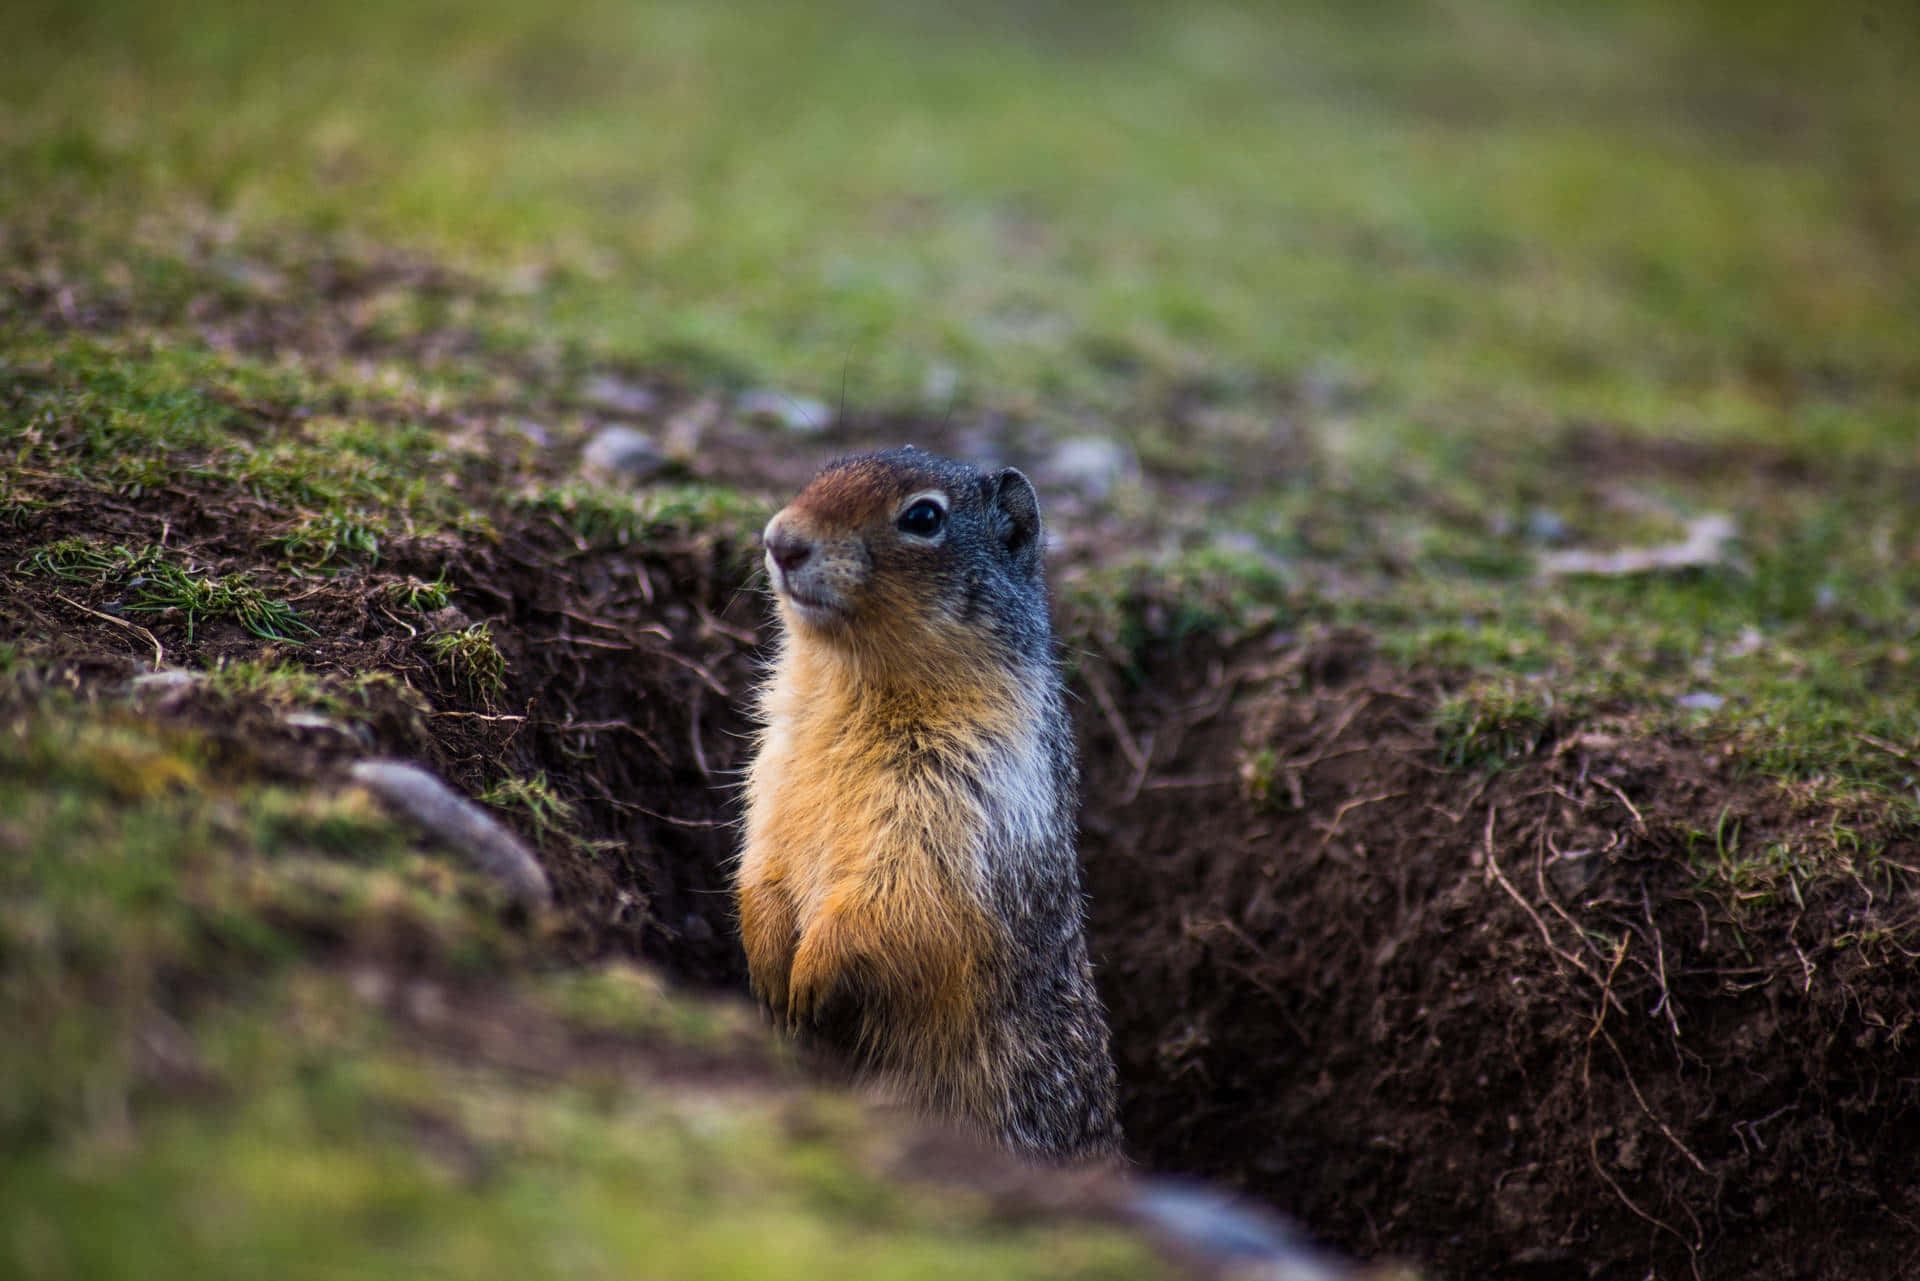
789, 550
818, 578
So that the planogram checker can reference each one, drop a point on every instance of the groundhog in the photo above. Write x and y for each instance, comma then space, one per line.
908, 890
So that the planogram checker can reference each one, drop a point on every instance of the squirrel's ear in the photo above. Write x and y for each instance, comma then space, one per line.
1018, 516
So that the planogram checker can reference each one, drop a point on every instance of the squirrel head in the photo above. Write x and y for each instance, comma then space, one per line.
911, 555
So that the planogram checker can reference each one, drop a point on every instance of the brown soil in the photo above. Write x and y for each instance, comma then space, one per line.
1495, 1023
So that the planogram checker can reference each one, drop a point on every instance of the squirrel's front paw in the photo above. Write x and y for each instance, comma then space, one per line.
772, 989
819, 979
810, 997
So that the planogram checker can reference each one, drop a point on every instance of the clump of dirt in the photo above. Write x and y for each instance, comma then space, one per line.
1501, 1023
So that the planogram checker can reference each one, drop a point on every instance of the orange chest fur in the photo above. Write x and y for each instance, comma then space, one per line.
832, 813
836, 817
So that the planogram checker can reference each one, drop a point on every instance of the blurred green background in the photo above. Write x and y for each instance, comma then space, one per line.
1686, 218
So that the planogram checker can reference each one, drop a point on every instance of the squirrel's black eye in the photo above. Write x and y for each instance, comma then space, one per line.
924, 519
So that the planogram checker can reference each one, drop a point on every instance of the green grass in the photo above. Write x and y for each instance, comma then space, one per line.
537, 805
157, 584
351, 1154
1443, 214
322, 541
603, 516
136, 415
471, 658
76, 560
171, 589
129, 867
278, 688
1490, 726
420, 597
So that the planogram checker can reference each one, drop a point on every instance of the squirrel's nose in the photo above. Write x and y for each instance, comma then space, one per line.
788, 549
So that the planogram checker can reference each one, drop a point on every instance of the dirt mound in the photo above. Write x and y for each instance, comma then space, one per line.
1505, 1023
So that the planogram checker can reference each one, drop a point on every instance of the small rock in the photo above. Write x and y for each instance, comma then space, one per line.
1574, 870
1700, 701
1749, 641
797, 414
1705, 546
426, 1002
1238, 542
168, 687
1093, 465
623, 451
1324, 387
313, 722
252, 277
371, 985
1546, 526
458, 822
688, 426
534, 431
171, 678
940, 385
1246, 544
613, 395
1236, 1237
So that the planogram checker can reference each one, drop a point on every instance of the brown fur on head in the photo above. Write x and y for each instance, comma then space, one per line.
906, 558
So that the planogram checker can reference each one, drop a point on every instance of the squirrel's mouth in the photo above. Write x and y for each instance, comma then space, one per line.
817, 608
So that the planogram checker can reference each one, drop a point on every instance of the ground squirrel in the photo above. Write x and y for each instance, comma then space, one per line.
907, 887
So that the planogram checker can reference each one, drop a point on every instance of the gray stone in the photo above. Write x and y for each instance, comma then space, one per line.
1093, 465
169, 679
1574, 870
533, 431
1545, 525
623, 451
1238, 1238
797, 414
1705, 546
457, 822
614, 395
940, 385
